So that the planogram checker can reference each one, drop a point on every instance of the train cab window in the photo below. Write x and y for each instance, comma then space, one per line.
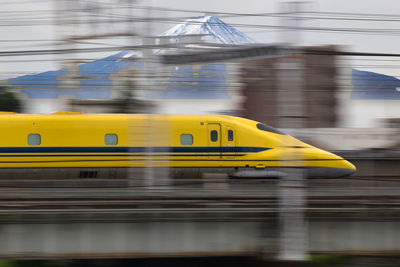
230, 135
214, 136
186, 139
267, 128
34, 139
111, 139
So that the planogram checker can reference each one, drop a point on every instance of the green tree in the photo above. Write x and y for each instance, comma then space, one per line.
127, 101
8, 100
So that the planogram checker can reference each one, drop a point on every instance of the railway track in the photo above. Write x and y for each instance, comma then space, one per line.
200, 203
206, 195
199, 182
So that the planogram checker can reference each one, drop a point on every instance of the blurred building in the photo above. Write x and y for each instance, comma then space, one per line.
189, 88
97, 80
269, 82
311, 89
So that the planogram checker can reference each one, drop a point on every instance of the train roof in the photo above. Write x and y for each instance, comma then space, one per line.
78, 115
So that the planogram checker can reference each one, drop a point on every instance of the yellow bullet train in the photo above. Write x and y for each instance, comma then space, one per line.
77, 145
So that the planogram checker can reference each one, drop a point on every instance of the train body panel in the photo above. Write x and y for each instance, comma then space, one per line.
112, 141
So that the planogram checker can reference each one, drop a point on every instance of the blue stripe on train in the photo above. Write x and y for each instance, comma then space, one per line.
122, 155
242, 149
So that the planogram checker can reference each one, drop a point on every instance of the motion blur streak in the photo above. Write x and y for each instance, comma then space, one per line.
292, 157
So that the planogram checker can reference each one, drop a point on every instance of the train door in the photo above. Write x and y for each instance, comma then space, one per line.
214, 140
228, 143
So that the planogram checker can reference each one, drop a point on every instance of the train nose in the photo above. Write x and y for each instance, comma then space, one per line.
332, 166
335, 169
350, 166
345, 169
342, 166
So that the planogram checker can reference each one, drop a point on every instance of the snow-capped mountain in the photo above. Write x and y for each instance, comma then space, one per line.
214, 29
96, 78
369, 85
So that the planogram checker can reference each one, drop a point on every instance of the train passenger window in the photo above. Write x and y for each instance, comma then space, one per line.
34, 139
214, 135
186, 139
111, 139
230, 135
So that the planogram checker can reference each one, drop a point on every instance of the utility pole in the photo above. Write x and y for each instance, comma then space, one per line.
157, 128
292, 192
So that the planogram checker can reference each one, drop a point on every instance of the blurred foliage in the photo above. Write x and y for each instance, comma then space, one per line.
7, 263
314, 261
34, 263
127, 101
349, 261
9, 101
326, 261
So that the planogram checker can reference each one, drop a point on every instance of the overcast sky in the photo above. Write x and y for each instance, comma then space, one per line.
15, 11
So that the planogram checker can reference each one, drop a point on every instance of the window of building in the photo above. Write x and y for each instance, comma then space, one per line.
230, 135
214, 136
186, 139
111, 139
34, 139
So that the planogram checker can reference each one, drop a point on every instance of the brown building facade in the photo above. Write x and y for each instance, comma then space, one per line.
292, 91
